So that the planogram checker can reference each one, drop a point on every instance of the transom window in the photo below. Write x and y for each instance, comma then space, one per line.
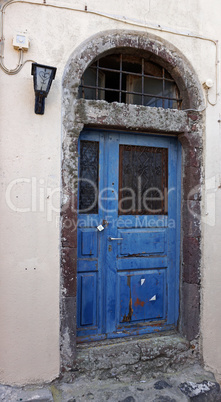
130, 79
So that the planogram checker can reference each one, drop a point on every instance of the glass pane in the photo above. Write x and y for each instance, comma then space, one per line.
132, 64
143, 180
112, 61
43, 75
88, 178
90, 79
170, 90
153, 86
154, 102
134, 84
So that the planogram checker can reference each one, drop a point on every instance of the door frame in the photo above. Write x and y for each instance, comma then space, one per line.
187, 125
189, 289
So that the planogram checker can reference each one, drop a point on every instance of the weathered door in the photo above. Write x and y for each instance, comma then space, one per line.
128, 234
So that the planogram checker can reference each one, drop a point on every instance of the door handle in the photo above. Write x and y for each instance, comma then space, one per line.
116, 238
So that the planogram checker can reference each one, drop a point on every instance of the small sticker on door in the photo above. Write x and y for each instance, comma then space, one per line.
100, 228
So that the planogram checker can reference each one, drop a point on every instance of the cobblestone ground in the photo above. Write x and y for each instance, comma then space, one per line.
192, 384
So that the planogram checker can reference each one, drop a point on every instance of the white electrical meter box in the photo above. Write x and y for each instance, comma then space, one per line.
21, 41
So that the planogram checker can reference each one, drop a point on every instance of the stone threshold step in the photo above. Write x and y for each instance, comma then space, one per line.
139, 357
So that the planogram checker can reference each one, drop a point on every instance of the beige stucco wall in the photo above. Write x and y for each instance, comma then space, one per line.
30, 169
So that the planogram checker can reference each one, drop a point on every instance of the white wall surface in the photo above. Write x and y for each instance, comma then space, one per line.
31, 155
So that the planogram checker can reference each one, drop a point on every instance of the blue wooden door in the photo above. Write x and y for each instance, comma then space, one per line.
128, 234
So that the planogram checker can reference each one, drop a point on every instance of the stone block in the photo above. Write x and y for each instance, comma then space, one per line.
191, 180
193, 157
69, 219
103, 358
206, 391
190, 310
191, 218
68, 331
191, 260
34, 394
162, 385
69, 266
163, 347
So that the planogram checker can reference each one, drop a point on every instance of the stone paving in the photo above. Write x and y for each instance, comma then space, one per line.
190, 384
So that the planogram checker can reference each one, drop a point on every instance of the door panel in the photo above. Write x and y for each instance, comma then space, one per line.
142, 296
139, 242
88, 243
128, 268
87, 299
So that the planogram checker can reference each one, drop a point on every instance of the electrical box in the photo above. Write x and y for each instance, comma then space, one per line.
21, 41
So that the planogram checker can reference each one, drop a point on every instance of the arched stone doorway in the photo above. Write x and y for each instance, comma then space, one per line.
185, 124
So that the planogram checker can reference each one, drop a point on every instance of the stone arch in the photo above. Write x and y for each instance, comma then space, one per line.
186, 124
162, 51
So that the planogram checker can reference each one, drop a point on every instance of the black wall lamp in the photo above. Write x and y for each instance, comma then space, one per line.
43, 77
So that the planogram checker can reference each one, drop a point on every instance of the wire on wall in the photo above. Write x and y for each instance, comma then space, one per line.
21, 63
